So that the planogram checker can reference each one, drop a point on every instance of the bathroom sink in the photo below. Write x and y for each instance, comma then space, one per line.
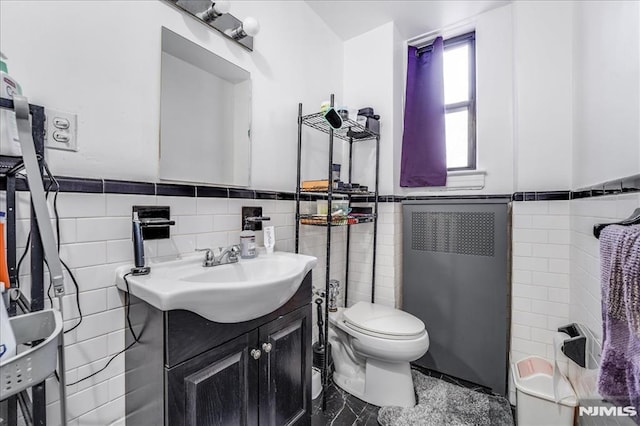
228, 293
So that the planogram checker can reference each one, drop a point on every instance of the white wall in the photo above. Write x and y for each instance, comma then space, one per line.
101, 59
607, 137
606, 146
540, 278
606, 91
558, 94
494, 111
369, 81
543, 94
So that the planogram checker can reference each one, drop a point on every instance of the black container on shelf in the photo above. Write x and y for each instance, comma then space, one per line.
372, 122
367, 119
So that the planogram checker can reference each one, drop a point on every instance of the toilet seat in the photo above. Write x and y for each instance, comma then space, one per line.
382, 321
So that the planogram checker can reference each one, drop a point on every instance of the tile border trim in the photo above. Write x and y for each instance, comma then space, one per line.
112, 186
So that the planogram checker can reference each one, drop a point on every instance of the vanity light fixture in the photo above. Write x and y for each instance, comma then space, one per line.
216, 10
215, 14
249, 27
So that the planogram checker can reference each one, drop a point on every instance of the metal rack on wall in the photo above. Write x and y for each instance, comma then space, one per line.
346, 133
33, 408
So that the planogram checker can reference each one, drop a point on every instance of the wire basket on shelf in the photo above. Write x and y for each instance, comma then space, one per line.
317, 219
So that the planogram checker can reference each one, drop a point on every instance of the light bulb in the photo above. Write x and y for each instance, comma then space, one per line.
214, 11
222, 7
251, 26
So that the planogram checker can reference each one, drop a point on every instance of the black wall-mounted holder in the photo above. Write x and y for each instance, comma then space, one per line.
251, 212
574, 347
147, 214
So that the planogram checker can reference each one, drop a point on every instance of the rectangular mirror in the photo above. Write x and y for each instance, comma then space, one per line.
205, 115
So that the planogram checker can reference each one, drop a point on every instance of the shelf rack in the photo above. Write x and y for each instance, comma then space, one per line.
34, 407
351, 132
338, 193
321, 220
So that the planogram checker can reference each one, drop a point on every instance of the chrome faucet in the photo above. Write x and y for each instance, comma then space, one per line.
140, 267
230, 253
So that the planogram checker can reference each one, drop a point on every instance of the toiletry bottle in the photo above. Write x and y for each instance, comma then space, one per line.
269, 238
248, 242
9, 139
4, 269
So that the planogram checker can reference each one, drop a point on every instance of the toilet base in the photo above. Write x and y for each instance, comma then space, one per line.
381, 384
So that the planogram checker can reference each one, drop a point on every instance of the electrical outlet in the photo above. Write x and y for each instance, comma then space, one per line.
62, 130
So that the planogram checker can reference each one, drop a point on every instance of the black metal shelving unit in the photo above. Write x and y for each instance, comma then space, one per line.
350, 132
34, 407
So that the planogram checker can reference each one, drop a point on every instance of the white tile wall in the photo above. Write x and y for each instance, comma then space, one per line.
556, 277
540, 282
554, 281
585, 273
388, 257
540, 278
95, 240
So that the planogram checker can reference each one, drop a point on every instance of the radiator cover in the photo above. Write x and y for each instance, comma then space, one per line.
456, 273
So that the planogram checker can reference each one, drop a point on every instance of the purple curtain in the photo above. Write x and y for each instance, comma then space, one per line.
424, 161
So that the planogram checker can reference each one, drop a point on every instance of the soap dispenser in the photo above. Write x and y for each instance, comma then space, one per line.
248, 237
247, 241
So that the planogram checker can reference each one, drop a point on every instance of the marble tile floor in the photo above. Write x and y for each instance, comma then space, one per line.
344, 409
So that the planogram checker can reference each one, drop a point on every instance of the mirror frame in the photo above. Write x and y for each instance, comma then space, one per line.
193, 54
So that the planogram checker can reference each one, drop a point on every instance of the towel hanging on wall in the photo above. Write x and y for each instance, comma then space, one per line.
619, 375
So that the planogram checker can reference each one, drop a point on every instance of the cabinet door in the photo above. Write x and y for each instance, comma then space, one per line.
285, 370
218, 387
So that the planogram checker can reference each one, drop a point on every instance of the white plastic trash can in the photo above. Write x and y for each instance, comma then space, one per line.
536, 405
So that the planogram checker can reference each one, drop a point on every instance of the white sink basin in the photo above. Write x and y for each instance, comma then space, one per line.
229, 293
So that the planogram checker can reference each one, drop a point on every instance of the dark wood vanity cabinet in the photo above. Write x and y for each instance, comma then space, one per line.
257, 378
219, 387
253, 373
285, 371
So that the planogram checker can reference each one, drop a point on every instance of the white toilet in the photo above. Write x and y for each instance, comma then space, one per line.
372, 346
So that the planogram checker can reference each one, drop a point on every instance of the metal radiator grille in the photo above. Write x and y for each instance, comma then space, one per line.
453, 232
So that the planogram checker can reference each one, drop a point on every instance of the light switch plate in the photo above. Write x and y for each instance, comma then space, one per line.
62, 130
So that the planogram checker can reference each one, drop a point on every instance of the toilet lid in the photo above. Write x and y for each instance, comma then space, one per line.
381, 319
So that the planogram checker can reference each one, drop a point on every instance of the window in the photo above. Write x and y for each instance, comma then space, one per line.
459, 99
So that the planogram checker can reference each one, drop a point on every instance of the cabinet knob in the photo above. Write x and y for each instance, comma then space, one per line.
255, 353
266, 347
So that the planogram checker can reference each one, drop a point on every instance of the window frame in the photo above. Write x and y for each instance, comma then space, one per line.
470, 104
